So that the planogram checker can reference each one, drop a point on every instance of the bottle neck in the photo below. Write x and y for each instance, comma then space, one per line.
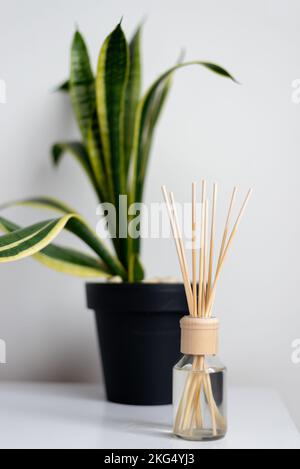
211, 363
199, 336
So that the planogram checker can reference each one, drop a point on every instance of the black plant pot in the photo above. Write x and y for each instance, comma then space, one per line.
139, 338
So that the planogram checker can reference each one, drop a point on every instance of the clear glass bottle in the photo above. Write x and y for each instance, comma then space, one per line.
199, 398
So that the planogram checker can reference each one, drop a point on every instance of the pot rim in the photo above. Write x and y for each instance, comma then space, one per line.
135, 285
137, 297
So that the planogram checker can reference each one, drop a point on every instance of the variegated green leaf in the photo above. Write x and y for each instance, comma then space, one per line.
136, 268
83, 97
132, 96
95, 153
49, 203
111, 82
29, 241
82, 84
63, 259
72, 262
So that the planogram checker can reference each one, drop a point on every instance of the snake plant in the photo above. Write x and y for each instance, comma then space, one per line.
117, 125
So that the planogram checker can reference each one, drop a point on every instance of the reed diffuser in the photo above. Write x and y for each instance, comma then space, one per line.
199, 379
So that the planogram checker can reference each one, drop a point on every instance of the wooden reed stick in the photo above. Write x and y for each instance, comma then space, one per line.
182, 403
194, 249
198, 404
212, 239
186, 269
201, 257
224, 239
204, 293
206, 381
237, 223
226, 229
180, 251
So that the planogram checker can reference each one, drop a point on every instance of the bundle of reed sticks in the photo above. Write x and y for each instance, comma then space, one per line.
200, 293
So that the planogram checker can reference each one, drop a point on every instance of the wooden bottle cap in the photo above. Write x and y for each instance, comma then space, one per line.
199, 336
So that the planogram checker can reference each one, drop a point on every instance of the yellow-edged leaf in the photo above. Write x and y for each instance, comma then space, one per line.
63, 259
31, 240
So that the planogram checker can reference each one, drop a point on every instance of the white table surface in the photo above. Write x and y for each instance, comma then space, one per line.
76, 416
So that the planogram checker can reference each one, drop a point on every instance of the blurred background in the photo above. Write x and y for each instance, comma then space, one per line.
247, 134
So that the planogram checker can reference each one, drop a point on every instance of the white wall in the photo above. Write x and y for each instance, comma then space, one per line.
247, 134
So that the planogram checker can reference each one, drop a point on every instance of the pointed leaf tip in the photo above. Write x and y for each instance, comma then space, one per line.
118, 28
138, 31
219, 70
78, 39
